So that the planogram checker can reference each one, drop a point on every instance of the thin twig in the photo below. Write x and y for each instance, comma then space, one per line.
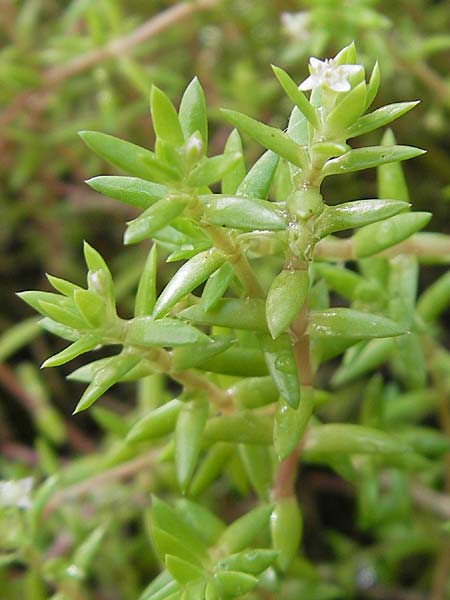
119, 47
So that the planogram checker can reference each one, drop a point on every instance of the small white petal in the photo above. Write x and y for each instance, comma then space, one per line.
348, 70
308, 84
315, 63
340, 86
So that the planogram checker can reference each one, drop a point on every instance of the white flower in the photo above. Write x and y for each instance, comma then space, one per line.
296, 25
329, 74
16, 492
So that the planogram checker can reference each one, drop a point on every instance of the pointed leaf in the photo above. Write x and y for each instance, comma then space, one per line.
286, 296
193, 356
348, 109
181, 570
187, 278
242, 428
374, 238
357, 213
217, 285
269, 137
192, 111
379, 118
165, 118
373, 85
257, 182
242, 213
157, 423
233, 584
374, 353
365, 158
290, 423
165, 543
146, 292
257, 463
232, 179
132, 159
210, 170
207, 526
435, 299
282, 367
340, 438
145, 331
85, 344
252, 561
390, 178
243, 531
61, 285
351, 324
107, 376
154, 218
188, 439
91, 307
297, 96
211, 467
286, 526
129, 190
234, 313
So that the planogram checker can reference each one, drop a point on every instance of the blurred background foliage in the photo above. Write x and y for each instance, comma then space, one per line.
66, 66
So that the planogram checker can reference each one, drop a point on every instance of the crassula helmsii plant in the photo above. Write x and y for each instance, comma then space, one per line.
246, 326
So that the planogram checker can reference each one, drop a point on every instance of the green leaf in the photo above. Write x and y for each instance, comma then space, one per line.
290, 423
357, 213
85, 344
257, 462
132, 159
343, 281
86, 373
165, 543
342, 438
35, 299
193, 356
373, 85
232, 584
365, 158
348, 109
211, 467
192, 111
86, 552
242, 213
145, 331
254, 392
238, 361
248, 314
286, 296
374, 238
157, 423
129, 190
67, 316
297, 97
155, 218
351, 324
61, 285
372, 355
168, 519
286, 526
210, 170
91, 307
232, 179
187, 278
207, 526
390, 178
165, 118
146, 292
257, 182
243, 531
379, 118
64, 332
106, 377
217, 285
269, 137
435, 299
188, 439
241, 428
182, 571
252, 561
281, 364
